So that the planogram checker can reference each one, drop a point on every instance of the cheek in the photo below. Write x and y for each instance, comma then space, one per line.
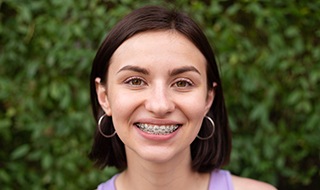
193, 105
122, 106
195, 111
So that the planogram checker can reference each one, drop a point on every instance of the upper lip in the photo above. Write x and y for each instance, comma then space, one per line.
158, 122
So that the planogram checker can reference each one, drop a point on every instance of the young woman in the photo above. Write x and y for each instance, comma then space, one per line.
157, 98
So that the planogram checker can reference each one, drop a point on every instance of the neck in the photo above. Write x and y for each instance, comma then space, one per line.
172, 174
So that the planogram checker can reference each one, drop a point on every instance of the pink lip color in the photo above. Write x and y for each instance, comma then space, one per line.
154, 121
157, 121
156, 137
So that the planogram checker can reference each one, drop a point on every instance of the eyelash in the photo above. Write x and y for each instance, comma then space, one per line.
188, 83
129, 81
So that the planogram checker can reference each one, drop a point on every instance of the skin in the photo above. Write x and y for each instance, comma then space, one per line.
157, 78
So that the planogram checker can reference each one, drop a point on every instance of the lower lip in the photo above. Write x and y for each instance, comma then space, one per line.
157, 137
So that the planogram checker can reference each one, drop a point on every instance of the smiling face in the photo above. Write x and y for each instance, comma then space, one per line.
156, 93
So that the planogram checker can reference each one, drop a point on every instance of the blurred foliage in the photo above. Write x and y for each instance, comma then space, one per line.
268, 52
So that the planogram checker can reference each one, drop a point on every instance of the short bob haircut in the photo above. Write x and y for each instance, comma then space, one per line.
206, 155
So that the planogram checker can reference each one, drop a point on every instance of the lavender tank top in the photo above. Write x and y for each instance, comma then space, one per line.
219, 180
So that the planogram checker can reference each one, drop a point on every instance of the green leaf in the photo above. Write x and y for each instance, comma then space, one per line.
20, 152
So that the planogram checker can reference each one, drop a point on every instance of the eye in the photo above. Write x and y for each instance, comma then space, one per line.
183, 83
134, 81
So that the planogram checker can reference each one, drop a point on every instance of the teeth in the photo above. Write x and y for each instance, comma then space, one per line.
156, 129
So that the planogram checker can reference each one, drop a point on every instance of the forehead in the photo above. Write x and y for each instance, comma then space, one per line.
167, 48
159, 37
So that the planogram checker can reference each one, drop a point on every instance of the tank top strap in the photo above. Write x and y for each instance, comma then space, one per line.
108, 185
220, 180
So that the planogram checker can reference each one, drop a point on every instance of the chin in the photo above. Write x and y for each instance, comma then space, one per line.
161, 155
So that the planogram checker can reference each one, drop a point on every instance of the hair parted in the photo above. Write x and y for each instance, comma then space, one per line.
206, 155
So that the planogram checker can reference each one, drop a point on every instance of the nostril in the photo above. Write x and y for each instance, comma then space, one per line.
160, 105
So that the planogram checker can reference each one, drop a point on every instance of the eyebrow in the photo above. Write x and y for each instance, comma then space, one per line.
135, 69
183, 70
174, 72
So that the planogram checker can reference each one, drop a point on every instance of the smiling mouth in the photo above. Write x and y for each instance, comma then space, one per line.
157, 129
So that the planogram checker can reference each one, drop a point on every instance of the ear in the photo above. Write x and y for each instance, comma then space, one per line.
210, 97
102, 96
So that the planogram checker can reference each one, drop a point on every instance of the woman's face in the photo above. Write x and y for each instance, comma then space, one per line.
156, 93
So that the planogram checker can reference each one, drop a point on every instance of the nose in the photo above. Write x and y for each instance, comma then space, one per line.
159, 101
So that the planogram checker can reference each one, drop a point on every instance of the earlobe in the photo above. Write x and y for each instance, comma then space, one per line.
102, 97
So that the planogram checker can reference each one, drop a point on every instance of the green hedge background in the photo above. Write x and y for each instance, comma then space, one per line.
269, 57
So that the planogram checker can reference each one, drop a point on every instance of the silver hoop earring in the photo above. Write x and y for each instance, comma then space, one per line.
213, 129
99, 128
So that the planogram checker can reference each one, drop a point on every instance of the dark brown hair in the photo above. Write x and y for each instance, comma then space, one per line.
206, 154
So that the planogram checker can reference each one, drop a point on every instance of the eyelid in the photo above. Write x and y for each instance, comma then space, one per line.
127, 81
190, 82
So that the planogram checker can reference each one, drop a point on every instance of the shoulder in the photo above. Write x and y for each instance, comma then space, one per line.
108, 185
241, 183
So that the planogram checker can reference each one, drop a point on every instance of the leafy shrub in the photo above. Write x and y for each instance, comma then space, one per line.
269, 58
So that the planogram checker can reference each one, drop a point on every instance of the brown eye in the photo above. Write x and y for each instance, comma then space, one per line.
135, 82
183, 83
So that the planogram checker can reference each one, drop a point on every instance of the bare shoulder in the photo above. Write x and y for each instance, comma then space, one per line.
241, 183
